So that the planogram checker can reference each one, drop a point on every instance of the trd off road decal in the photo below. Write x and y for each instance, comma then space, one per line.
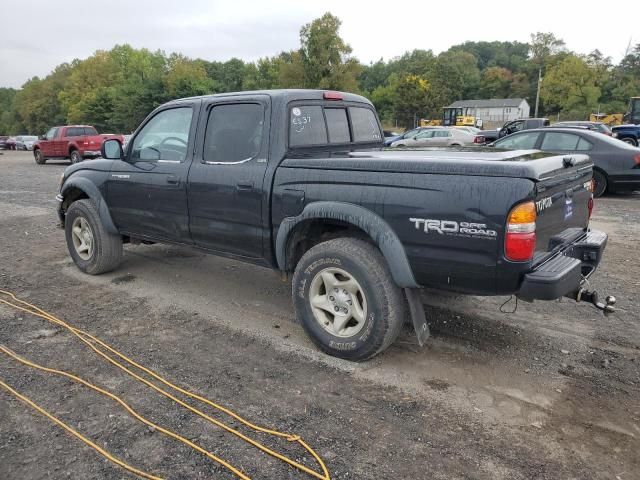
453, 228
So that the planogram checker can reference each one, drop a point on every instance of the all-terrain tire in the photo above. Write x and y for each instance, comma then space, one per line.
39, 157
386, 306
600, 181
106, 252
75, 156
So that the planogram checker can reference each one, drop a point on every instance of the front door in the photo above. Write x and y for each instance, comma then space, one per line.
147, 192
423, 139
226, 201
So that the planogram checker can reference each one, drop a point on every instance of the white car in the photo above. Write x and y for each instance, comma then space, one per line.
25, 142
440, 137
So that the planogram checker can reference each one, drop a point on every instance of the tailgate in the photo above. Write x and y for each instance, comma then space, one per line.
93, 142
562, 207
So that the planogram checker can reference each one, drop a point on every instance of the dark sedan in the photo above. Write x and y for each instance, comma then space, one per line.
593, 126
616, 164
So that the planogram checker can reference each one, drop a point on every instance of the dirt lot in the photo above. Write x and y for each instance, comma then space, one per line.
551, 391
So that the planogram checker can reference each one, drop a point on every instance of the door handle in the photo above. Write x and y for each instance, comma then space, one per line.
172, 180
244, 186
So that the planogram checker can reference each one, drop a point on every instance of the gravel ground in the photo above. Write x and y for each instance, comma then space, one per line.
551, 391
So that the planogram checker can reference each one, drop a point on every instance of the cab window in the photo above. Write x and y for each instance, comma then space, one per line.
307, 126
164, 137
234, 133
75, 132
337, 125
365, 125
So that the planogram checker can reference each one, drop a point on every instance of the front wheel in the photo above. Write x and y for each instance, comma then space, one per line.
92, 248
600, 181
346, 299
39, 157
75, 156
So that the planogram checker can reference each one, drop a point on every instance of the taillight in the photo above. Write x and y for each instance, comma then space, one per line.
637, 160
520, 237
590, 206
478, 139
332, 96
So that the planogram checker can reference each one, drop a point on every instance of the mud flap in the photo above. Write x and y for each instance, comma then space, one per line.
417, 315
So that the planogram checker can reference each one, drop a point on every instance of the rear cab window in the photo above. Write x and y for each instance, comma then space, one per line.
317, 125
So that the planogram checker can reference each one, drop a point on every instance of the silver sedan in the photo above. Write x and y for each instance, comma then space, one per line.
440, 137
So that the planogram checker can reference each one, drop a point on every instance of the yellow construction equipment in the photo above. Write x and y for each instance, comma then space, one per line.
611, 119
455, 117
426, 122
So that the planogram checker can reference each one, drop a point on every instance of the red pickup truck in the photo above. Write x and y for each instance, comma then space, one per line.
75, 142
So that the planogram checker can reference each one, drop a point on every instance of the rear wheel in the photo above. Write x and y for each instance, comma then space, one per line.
346, 299
92, 248
75, 156
600, 181
630, 141
39, 157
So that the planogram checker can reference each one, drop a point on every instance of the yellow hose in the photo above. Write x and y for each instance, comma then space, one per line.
103, 452
88, 339
126, 407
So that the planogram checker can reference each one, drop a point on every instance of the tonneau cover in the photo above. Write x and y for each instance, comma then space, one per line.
531, 164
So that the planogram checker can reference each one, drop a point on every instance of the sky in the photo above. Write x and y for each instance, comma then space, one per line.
37, 35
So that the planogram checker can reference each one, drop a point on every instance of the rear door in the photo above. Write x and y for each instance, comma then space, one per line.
226, 199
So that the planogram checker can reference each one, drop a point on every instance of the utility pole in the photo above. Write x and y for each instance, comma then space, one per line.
538, 92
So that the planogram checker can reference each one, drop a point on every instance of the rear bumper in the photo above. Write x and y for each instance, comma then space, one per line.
563, 274
90, 153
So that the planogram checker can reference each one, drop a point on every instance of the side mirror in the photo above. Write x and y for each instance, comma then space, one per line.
112, 150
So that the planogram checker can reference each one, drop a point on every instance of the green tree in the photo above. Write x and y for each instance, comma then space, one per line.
571, 87
325, 56
413, 99
186, 78
496, 83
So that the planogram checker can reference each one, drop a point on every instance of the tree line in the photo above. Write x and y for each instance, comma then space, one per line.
114, 90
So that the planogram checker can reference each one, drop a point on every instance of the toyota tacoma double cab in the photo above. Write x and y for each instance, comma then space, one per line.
75, 142
298, 181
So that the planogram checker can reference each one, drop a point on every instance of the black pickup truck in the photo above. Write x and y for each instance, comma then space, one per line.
298, 181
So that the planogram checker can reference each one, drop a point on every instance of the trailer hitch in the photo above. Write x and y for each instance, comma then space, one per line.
584, 295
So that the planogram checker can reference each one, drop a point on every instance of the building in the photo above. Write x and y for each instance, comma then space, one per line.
495, 110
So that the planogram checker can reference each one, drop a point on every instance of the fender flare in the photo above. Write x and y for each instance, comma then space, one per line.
372, 224
94, 194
